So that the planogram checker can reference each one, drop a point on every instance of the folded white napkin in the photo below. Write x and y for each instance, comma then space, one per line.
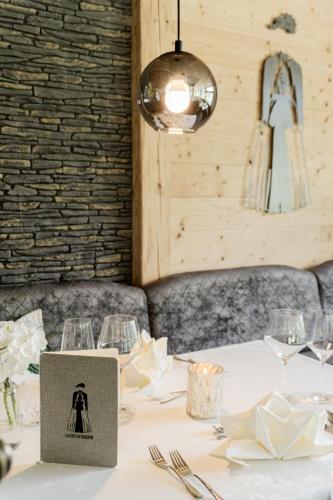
150, 363
273, 429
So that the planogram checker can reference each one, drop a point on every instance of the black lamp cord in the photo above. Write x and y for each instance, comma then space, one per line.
178, 42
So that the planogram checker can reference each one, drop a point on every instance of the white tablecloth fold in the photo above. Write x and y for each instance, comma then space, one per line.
273, 429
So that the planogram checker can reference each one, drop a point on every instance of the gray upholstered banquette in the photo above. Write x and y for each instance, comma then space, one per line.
211, 308
324, 275
194, 310
58, 301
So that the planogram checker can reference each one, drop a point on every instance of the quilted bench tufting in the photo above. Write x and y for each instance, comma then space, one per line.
194, 310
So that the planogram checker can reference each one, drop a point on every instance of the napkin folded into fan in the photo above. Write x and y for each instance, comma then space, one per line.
150, 362
273, 429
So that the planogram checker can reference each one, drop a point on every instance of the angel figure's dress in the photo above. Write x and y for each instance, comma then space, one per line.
277, 178
78, 419
280, 118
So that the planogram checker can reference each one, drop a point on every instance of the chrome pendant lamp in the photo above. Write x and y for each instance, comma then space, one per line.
177, 92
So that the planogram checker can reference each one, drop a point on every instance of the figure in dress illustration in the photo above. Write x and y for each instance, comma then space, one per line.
78, 418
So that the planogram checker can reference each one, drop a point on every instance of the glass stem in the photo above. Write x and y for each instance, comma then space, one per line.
12, 395
121, 387
283, 381
321, 377
6, 391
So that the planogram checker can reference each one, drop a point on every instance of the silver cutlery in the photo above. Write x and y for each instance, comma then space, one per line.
329, 416
181, 466
220, 431
329, 426
175, 395
190, 360
185, 360
160, 461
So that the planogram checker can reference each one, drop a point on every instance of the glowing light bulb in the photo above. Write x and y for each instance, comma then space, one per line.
177, 96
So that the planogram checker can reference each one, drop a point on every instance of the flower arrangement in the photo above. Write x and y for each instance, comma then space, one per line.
21, 343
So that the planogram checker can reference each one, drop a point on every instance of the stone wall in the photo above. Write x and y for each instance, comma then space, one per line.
65, 144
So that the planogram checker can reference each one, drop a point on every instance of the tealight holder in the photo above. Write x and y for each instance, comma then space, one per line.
204, 390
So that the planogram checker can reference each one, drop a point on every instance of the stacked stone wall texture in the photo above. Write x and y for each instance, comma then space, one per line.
65, 142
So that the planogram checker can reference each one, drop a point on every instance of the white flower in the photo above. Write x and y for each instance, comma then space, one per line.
6, 333
21, 343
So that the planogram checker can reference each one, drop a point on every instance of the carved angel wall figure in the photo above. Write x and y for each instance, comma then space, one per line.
277, 179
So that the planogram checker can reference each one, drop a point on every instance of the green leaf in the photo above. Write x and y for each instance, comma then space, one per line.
33, 368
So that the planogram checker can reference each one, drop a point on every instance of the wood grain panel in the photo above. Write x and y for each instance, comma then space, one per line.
228, 245
204, 180
209, 214
195, 219
150, 184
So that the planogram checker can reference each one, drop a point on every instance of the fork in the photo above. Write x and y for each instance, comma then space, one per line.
160, 461
181, 466
173, 395
185, 360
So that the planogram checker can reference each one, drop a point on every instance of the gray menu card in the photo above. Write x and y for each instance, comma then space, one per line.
79, 407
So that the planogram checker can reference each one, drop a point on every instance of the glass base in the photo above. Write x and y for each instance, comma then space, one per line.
320, 398
126, 413
310, 398
11, 435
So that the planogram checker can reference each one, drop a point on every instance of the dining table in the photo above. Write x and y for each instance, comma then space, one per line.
251, 372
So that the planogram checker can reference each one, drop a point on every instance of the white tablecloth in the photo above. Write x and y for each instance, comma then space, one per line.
253, 371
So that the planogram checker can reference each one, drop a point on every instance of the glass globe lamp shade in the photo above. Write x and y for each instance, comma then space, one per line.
177, 93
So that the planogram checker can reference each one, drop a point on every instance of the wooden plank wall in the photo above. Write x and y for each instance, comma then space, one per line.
191, 216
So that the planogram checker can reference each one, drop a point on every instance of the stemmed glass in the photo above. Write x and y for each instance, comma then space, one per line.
321, 343
77, 335
285, 336
121, 331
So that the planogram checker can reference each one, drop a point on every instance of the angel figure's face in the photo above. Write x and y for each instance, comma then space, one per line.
282, 82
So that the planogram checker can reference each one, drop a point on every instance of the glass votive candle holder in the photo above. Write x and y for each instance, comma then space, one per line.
204, 390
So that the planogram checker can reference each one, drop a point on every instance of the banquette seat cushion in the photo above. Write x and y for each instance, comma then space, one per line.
199, 310
58, 301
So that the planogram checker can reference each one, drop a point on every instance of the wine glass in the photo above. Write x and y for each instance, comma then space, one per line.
321, 343
121, 331
77, 335
285, 336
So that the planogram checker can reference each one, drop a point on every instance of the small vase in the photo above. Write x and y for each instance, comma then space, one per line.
10, 431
